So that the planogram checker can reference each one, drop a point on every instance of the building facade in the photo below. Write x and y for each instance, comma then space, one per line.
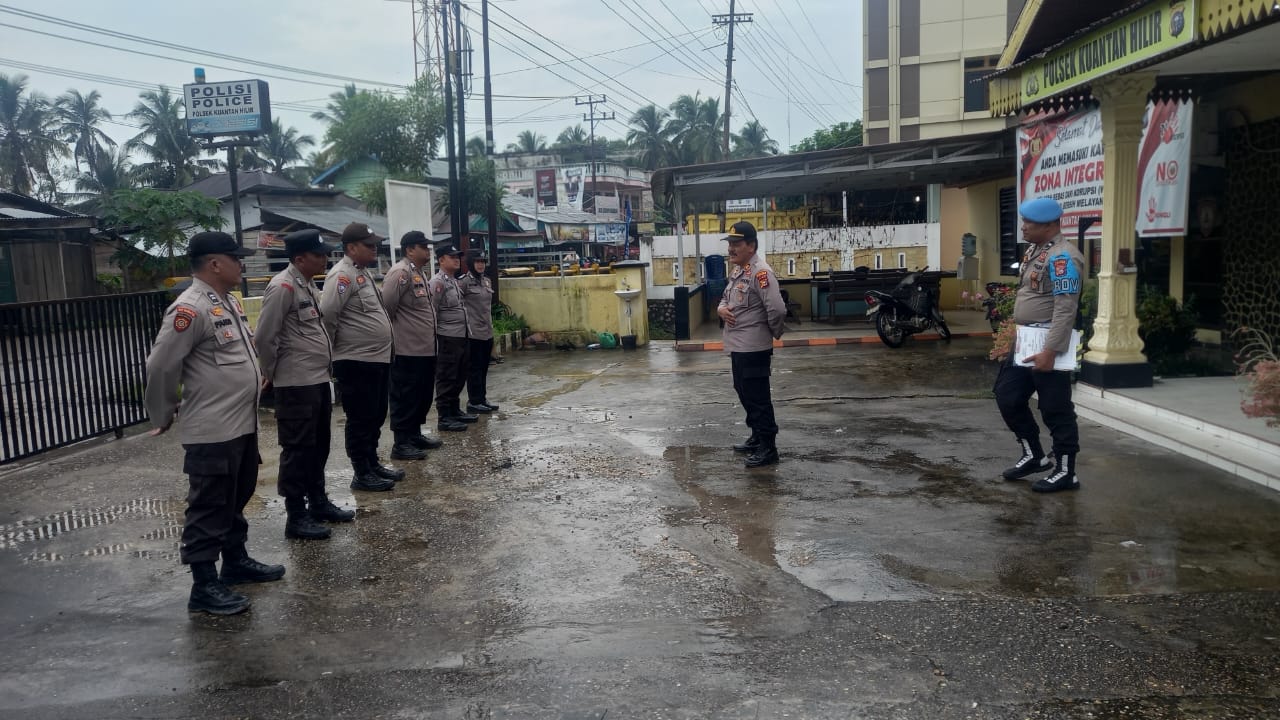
924, 64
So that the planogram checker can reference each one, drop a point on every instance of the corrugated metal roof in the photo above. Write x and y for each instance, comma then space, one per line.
330, 219
526, 207
26, 214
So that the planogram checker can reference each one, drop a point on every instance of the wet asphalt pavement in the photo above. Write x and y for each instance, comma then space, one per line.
595, 550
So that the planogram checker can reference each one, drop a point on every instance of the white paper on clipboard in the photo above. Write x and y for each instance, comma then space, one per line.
1031, 340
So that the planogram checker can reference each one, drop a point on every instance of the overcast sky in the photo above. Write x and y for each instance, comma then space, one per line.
808, 50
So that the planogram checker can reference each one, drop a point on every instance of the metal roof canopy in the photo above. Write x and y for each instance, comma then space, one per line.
954, 161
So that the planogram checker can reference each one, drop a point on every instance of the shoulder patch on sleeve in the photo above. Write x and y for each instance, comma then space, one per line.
286, 286
762, 279
182, 317
1065, 275
344, 282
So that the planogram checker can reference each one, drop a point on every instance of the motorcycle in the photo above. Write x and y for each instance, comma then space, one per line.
996, 292
905, 310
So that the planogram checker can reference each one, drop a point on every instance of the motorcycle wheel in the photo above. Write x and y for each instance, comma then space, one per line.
944, 331
889, 334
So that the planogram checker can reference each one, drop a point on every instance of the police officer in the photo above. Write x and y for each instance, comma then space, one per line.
407, 298
295, 354
477, 294
451, 339
351, 307
753, 313
204, 360
1048, 296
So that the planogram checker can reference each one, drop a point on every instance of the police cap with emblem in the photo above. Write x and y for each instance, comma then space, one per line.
304, 241
741, 231
414, 237
359, 232
1041, 210
213, 242
447, 249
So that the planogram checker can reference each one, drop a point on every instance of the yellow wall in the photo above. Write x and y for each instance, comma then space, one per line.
576, 304
953, 224
662, 268
984, 221
917, 257
804, 262
778, 220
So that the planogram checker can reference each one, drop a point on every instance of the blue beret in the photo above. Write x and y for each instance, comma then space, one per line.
1041, 210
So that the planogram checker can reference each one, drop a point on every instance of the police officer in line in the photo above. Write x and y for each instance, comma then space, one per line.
1048, 296
407, 299
296, 357
451, 339
753, 313
204, 361
477, 294
353, 315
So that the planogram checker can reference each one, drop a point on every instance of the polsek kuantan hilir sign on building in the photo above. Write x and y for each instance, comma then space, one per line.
240, 107
1062, 159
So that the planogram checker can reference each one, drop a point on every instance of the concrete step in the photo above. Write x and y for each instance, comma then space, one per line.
1244, 455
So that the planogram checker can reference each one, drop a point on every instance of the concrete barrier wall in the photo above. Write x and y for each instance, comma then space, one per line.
580, 304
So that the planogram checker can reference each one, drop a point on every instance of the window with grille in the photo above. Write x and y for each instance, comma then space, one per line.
1008, 230
902, 260
791, 266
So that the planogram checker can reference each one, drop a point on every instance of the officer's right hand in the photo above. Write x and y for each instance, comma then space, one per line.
726, 315
165, 428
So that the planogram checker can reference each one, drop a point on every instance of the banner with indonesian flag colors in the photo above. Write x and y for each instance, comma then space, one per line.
1164, 169
1061, 158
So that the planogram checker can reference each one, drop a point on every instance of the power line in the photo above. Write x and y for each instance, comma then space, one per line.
704, 65
825, 49
602, 55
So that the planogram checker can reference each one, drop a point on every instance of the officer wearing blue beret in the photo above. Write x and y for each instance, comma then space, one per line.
1050, 279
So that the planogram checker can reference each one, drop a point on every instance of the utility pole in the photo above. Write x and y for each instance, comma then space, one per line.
464, 214
492, 210
594, 118
732, 19
450, 150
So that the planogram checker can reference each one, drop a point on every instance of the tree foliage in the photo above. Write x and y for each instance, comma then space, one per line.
160, 219
29, 139
840, 135
403, 133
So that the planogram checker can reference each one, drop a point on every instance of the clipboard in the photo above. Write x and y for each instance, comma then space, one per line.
1031, 340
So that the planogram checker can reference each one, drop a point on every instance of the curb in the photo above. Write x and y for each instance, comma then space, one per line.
818, 342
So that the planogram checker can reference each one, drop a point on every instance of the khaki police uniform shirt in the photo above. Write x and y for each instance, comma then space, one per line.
451, 312
407, 299
754, 298
204, 359
1050, 279
351, 308
292, 343
477, 294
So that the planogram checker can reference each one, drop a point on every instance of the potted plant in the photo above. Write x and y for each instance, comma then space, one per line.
1257, 362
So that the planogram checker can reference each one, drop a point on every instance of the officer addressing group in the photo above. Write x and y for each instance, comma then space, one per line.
407, 299
1047, 300
357, 324
477, 293
296, 360
753, 313
204, 364
451, 339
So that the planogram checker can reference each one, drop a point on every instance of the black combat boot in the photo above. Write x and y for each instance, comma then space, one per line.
366, 480
405, 449
239, 568
493, 407
479, 408
749, 445
301, 525
386, 473
323, 510
208, 594
426, 443
1062, 478
1033, 460
766, 453
448, 419
467, 417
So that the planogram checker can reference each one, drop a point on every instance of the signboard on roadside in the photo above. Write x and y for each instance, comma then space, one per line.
240, 107
546, 183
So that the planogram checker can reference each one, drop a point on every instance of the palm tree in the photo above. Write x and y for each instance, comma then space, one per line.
28, 135
81, 118
572, 138
338, 105
111, 172
753, 141
694, 127
174, 155
282, 147
528, 141
651, 135
476, 147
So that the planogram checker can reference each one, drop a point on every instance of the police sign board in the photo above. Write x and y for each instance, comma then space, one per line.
241, 107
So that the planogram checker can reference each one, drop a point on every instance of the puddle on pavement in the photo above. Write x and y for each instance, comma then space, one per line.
51, 526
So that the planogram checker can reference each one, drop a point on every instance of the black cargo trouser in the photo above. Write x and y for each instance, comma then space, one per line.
222, 478
478, 373
303, 415
751, 381
1013, 389
362, 387
413, 380
451, 373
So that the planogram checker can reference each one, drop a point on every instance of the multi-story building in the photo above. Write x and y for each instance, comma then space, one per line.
923, 64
